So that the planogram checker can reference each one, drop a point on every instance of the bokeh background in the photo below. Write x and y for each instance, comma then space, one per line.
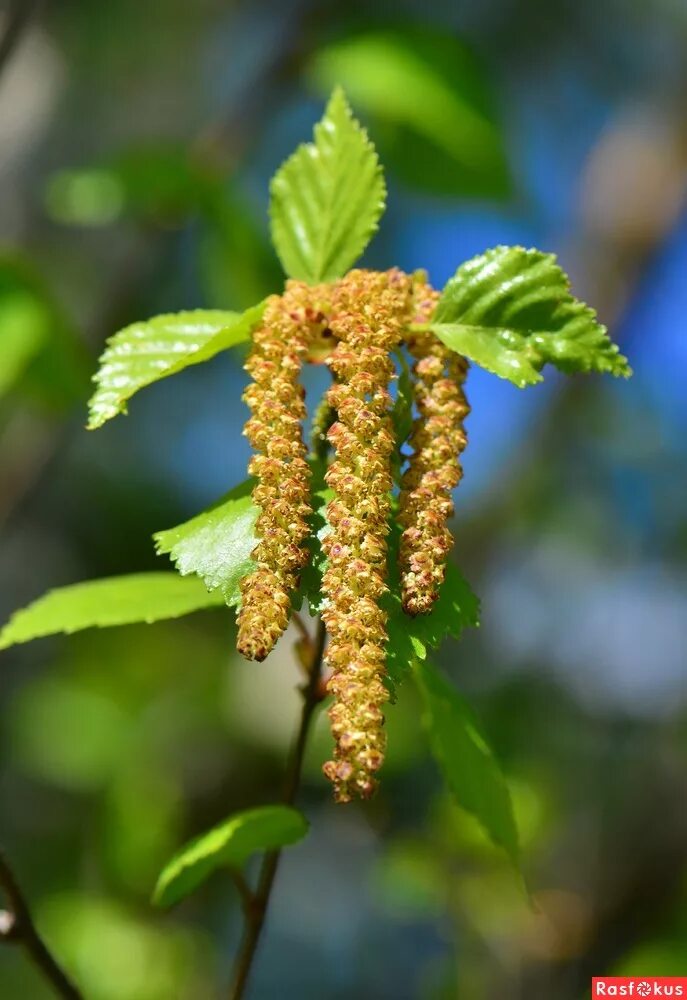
136, 144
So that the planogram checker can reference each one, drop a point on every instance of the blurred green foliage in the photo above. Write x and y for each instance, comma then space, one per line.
138, 188
431, 104
43, 359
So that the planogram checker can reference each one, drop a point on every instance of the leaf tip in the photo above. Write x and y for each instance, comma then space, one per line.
338, 97
327, 197
622, 367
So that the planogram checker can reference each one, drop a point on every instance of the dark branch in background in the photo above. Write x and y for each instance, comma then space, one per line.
255, 903
17, 20
17, 927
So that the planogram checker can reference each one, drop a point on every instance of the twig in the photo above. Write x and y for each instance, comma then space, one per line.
17, 21
301, 626
245, 891
17, 927
255, 913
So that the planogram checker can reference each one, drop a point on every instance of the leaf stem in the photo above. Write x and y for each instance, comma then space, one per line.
17, 927
254, 914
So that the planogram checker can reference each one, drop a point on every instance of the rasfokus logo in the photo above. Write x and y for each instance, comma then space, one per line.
650, 986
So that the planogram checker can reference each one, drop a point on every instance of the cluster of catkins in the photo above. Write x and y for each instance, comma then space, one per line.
354, 325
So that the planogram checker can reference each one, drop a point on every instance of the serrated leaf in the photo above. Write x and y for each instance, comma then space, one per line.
466, 759
327, 198
118, 600
511, 311
153, 349
229, 844
432, 102
216, 545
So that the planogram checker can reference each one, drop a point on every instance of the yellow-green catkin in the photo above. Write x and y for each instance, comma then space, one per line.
437, 439
368, 316
290, 324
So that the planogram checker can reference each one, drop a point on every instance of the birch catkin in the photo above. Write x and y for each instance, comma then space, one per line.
276, 399
438, 438
369, 311
366, 315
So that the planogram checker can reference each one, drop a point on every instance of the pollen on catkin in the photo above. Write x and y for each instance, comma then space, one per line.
438, 438
282, 492
368, 314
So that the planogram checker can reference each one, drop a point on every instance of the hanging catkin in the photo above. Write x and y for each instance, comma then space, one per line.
276, 399
366, 315
369, 311
437, 439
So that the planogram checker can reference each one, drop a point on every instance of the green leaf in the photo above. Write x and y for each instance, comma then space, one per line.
229, 844
150, 350
216, 545
117, 600
466, 759
327, 198
511, 311
431, 102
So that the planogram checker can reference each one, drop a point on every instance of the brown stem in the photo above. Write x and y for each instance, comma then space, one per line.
245, 891
17, 927
300, 625
255, 913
